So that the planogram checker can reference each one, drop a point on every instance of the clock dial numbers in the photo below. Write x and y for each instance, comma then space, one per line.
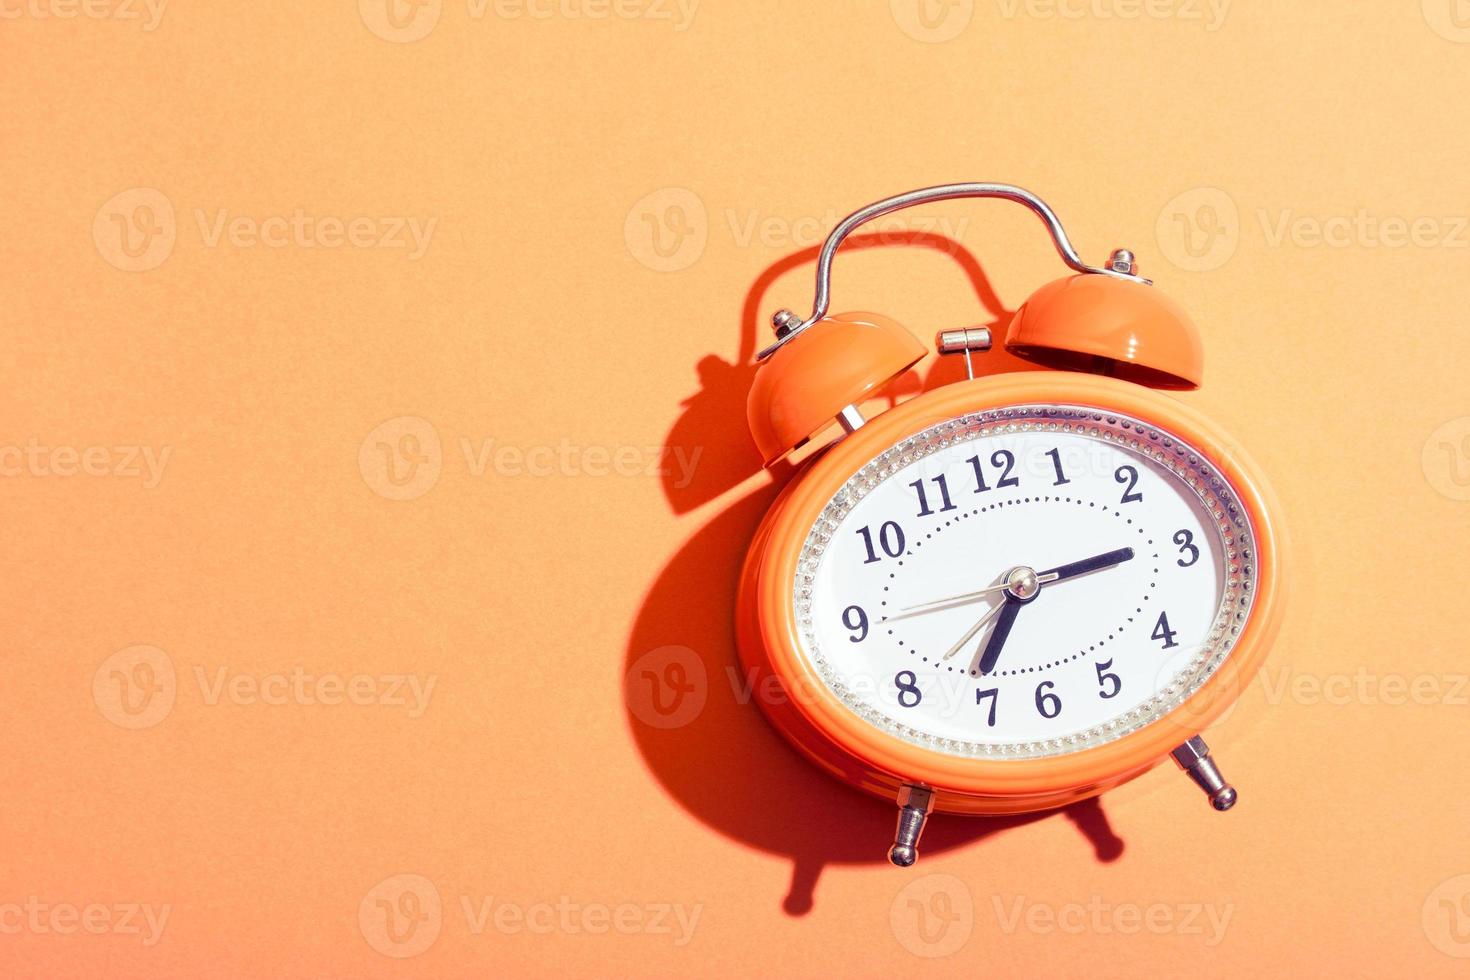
943, 489
890, 542
1002, 462
991, 695
1163, 633
1105, 678
931, 552
1184, 538
1128, 476
907, 685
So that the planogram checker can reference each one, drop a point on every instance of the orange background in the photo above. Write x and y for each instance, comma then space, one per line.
618, 204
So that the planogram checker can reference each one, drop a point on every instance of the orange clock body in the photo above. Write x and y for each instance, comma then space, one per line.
802, 707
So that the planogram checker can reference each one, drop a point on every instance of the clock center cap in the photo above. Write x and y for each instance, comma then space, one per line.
1021, 583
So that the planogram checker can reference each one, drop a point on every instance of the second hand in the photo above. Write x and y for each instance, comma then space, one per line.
970, 633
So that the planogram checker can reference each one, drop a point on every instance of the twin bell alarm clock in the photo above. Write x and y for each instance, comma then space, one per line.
1013, 592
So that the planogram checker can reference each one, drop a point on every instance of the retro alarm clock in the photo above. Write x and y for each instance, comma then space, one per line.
1012, 592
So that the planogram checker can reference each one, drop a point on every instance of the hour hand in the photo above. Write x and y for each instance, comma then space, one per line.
997, 639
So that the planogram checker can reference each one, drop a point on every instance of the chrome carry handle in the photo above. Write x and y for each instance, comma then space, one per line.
787, 328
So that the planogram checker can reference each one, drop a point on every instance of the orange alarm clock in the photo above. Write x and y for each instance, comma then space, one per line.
1013, 592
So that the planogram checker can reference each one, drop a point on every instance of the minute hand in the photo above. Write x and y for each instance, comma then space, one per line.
1073, 569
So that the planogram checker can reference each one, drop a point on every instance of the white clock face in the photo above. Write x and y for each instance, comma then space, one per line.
1143, 565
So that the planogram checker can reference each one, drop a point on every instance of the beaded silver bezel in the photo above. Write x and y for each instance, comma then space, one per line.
1194, 470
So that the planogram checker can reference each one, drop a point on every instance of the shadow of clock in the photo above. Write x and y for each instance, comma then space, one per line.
692, 709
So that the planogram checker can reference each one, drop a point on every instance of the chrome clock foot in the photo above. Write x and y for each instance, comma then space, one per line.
1194, 758
914, 804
